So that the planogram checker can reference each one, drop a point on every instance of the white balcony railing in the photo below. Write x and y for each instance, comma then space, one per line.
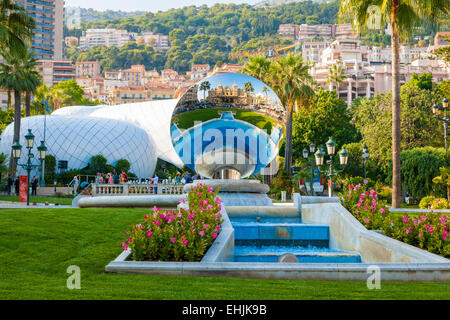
135, 189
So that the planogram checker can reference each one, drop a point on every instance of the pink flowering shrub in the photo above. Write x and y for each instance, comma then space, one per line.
429, 232
177, 235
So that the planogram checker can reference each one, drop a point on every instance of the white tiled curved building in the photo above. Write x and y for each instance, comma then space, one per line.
138, 132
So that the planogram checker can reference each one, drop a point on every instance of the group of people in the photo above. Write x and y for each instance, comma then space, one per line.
15, 181
111, 178
187, 177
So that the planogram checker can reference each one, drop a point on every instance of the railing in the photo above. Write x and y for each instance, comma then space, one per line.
135, 189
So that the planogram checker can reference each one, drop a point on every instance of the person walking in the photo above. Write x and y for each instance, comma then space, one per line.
75, 183
110, 178
125, 177
116, 178
155, 181
34, 183
10, 183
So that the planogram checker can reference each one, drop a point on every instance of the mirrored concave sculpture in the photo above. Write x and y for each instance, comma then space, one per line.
227, 126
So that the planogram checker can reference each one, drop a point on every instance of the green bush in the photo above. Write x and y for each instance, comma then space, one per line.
50, 166
419, 167
282, 182
181, 235
431, 202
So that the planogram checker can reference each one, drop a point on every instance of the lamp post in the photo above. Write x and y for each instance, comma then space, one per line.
365, 156
306, 153
437, 112
45, 105
331, 172
16, 151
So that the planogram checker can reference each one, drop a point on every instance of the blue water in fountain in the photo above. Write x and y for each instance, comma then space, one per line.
265, 239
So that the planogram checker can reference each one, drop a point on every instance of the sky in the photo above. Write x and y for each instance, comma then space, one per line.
146, 5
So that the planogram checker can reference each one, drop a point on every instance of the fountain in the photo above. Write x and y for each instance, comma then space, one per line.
228, 134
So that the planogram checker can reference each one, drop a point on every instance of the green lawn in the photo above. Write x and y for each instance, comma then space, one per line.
61, 201
37, 246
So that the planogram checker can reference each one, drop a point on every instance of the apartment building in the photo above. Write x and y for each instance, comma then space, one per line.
288, 31
87, 69
441, 39
358, 76
55, 71
312, 50
104, 37
343, 31
198, 71
307, 32
47, 40
133, 75
380, 55
346, 51
158, 41
383, 73
139, 94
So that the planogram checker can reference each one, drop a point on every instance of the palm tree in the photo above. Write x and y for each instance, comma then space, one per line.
16, 26
266, 93
248, 87
294, 86
336, 76
205, 86
289, 78
258, 67
17, 75
403, 16
33, 79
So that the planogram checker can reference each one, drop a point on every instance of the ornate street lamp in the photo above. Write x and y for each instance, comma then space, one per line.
331, 172
437, 112
319, 155
306, 153
331, 146
16, 151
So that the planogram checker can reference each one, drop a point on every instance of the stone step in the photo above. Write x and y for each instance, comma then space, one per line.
280, 231
303, 254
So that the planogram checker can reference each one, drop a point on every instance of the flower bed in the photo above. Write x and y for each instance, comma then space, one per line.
428, 231
184, 234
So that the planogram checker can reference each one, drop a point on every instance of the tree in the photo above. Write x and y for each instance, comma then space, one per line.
403, 16
67, 93
33, 79
336, 75
326, 116
205, 86
16, 27
294, 86
14, 77
248, 87
258, 67
3, 164
289, 78
98, 164
373, 118
122, 165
